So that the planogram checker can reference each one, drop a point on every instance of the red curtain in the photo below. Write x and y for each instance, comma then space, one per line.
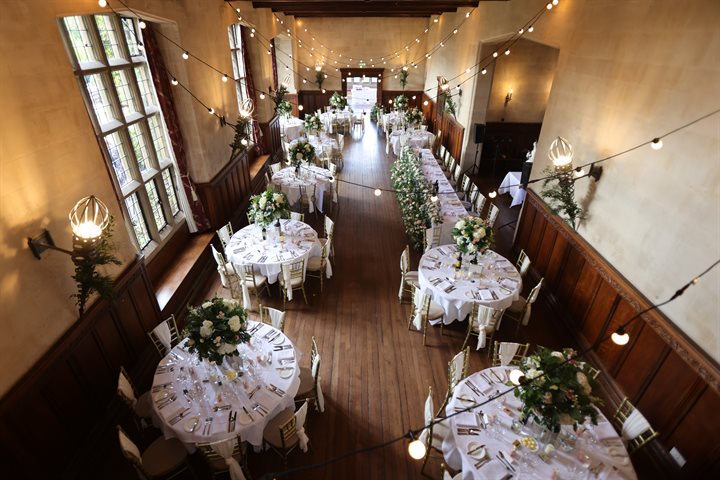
256, 133
161, 79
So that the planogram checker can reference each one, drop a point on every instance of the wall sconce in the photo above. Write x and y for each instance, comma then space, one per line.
444, 84
508, 96
91, 225
88, 218
247, 108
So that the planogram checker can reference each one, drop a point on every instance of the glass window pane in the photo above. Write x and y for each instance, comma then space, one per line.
236, 75
158, 137
125, 93
118, 158
108, 36
79, 39
137, 138
144, 84
138, 220
156, 205
169, 182
99, 98
128, 26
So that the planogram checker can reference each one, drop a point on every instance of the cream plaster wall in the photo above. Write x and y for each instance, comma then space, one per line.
49, 156
627, 73
360, 38
529, 72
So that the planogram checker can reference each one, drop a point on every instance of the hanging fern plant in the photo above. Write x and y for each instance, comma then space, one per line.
559, 193
403, 79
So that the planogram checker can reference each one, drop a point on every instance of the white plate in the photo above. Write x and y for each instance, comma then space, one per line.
243, 419
286, 373
477, 454
191, 424
279, 339
161, 395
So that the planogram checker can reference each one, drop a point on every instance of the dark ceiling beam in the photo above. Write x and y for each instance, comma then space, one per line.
355, 8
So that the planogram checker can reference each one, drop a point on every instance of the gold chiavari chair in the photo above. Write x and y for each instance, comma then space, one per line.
140, 405
273, 317
483, 323
232, 448
310, 389
520, 351
434, 434
523, 263
164, 458
423, 311
457, 370
224, 233
254, 281
283, 432
634, 427
408, 279
295, 273
316, 265
521, 309
165, 335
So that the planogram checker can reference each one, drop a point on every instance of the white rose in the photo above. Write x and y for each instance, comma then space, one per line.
460, 225
533, 373
460, 241
298, 156
277, 198
227, 348
472, 248
207, 329
262, 202
234, 323
558, 355
207, 305
476, 234
482, 233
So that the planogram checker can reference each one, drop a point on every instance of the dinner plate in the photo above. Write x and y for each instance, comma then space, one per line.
286, 373
243, 419
161, 395
475, 450
279, 339
191, 424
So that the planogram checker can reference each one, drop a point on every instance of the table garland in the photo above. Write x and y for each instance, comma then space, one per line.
413, 193
338, 101
215, 329
268, 206
312, 124
413, 117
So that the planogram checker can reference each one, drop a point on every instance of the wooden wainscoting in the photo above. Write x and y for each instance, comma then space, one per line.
388, 95
273, 140
69, 395
312, 100
228, 192
671, 380
452, 135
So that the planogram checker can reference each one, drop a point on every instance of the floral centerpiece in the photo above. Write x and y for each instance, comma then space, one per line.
556, 391
413, 117
400, 102
267, 206
284, 108
338, 101
312, 123
215, 329
301, 151
472, 235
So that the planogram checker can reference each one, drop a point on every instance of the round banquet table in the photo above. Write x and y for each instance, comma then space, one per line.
493, 282
247, 247
202, 391
293, 127
310, 175
598, 451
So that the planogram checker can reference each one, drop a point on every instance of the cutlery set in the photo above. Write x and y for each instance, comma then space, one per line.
277, 391
283, 361
178, 416
218, 408
260, 409
282, 347
207, 426
468, 431
254, 391
272, 335
231, 420
474, 388
163, 386
167, 401
506, 463
164, 369
487, 378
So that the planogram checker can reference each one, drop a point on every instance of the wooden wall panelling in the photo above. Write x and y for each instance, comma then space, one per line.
674, 383
274, 145
227, 192
388, 95
453, 134
428, 111
68, 394
293, 99
311, 100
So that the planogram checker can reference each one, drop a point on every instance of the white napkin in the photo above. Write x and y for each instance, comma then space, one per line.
485, 294
492, 470
508, 283
466, 419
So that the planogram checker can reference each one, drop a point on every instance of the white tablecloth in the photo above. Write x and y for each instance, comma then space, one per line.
493, 282
330, 118
501, 412
207, 387
292, 127
301, 241
392, 119
511, 185
416, 139
290, 183
451, 209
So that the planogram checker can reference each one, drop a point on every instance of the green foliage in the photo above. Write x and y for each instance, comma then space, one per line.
450, 106
90, 281
338, 101
241, 141
215, 329
404, 78
375, 111
558, 391
319, 79
283, 107
268, 206
559, 193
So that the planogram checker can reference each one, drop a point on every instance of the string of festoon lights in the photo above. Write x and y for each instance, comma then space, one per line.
417, 448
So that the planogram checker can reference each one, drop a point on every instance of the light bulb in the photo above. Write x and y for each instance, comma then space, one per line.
224, 78
252, 34
237, 10
507, 52
436, 20
301, 108
531, 28
579, 172
561, 153
495, 54
174, 81
492, 194
417, 449
262, 96
140, 46
87, 230
483, 71
515, 376
620, 337
656, 144
549, 6
211, 110
555, 2
521, 31
455, 31
323, 90
414, 97
378, 192
467, 70
425, 103
467, 15
142, 24
102, 3
185, 55
434, 198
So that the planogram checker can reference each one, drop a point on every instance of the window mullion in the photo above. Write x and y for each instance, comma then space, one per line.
164, 201
146, 208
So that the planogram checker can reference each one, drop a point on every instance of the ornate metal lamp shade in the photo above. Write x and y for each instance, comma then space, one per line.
247, 108
88, 218
561, 154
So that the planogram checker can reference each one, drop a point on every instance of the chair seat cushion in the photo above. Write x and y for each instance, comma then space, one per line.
411, 276
271, 434
517, 306
259, 280
435, 312
294, 282
314, 264
307, 383
163, 457
143, 406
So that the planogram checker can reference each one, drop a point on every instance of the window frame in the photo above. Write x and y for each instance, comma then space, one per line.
139, 118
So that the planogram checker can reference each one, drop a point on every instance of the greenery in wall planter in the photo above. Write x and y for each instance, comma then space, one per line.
450, 106
282, 106
241, 141
559, 194
88, 280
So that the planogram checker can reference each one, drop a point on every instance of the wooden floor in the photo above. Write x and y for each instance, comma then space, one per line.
375, 373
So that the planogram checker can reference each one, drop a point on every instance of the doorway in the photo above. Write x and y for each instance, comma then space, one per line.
362, 87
